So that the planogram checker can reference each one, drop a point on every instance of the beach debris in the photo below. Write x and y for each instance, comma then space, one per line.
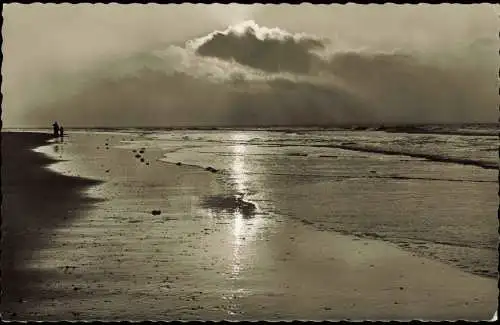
156, 212
179, 163
211, 169
230, 204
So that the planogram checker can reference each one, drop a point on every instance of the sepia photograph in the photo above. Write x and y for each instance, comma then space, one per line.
252, 162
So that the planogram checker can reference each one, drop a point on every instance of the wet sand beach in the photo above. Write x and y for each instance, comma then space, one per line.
84, 243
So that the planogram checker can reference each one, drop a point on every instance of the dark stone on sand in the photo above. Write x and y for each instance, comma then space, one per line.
156, 212
142, 159
178, 164
137, 156
142, 151
230, 204
147, 163
134, 150
107, 171
211, 169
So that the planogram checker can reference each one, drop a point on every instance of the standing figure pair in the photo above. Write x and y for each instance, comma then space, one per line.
58, 130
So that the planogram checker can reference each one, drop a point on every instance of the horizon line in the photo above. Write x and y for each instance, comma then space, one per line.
340, 125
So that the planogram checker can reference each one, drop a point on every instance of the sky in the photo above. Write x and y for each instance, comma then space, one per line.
124, 65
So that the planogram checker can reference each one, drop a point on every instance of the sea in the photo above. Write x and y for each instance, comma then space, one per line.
432, 190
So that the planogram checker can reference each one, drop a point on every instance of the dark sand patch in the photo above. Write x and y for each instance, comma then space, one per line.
35, 201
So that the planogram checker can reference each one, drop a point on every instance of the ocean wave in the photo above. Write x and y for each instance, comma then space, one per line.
467, 130
428, 156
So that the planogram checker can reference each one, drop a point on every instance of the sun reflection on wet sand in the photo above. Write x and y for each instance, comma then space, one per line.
243, 230
239, 177
238, 228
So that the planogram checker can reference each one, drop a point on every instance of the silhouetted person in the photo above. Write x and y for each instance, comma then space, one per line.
61, 132
56, 129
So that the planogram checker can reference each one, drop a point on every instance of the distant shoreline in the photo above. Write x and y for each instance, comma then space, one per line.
464, 129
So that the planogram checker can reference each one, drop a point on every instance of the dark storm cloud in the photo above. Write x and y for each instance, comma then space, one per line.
285, 54
153, 98
404, 89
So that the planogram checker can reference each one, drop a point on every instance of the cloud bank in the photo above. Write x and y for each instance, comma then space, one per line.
247, 74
